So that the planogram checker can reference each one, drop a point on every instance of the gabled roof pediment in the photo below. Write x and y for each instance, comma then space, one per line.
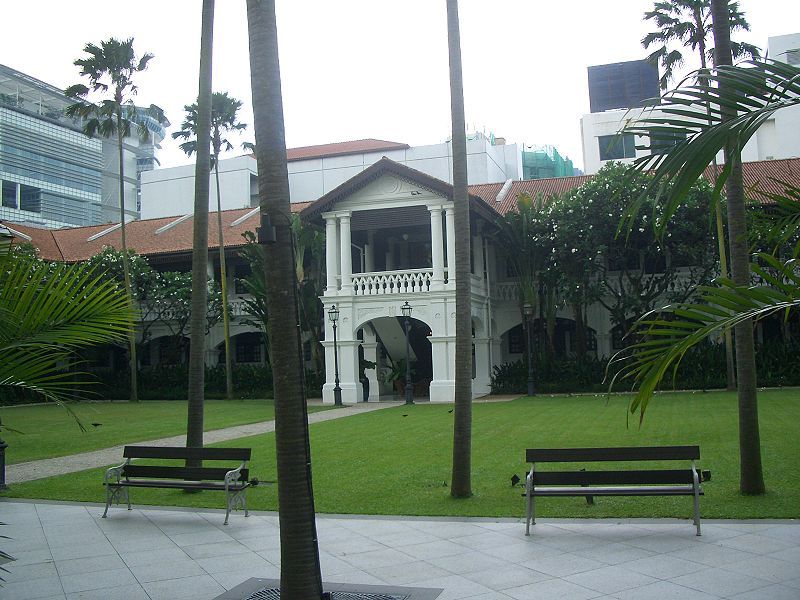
388, 176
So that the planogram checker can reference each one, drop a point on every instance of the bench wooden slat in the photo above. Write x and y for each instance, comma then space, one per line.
181, 452
612, 454
188, 485
660, 490
612, 477
188, 473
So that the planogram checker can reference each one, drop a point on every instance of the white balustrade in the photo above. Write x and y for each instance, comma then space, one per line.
409, 281
505, 291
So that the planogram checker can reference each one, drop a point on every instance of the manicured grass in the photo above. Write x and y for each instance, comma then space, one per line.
397, 460
48, 430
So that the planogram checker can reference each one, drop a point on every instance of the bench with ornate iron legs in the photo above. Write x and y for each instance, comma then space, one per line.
233, 481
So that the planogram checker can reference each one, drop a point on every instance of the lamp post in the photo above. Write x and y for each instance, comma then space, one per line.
527, 311
333, 317
6, 241
406, 310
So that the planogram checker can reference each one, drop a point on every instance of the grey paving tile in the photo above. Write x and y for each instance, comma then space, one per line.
28, 557
88, 565
552, 589
356, 545
613, 554
230, 579
401, 574
663, 567
143, 543
789, 532
720, 582
756, 544
465, 563
517, 552
150, 557
712, 555
482, 541
97, 580
664, 590
367, 561
407, 538
125, 592
448, 530
235, 562
455, 587
203, 587
32, 589
611, 579
21, 572
772, 592
491, 596
664, 542
434, 549
789, 554
103, 548
562, 565
173, 569
502, 578
215, 549
764, 567
209, 536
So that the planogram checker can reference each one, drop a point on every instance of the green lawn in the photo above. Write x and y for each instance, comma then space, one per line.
397, 461
48, 430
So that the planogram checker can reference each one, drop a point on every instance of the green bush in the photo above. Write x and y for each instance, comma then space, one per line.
703, 367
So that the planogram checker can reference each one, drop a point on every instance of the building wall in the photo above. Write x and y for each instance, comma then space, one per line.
61, 163
170, 192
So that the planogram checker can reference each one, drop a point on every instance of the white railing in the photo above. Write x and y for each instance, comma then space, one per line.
505, 291
409, 281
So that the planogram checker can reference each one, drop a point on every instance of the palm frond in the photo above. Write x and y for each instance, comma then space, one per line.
668, 333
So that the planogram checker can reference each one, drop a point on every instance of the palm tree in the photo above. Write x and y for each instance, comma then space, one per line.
742, 99
224, 118
300, 568
461, 486
688, 22
110, 68
197, 320
47, 312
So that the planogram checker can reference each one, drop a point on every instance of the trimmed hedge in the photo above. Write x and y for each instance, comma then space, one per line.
703, 367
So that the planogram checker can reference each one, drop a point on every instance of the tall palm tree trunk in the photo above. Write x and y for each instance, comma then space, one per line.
134, 364
197, 320
300, 569
751, 472
223, 273
730, 371
461, 486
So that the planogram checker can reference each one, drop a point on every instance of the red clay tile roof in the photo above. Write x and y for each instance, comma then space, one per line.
342, 149
534, 187
759, 177
73, 244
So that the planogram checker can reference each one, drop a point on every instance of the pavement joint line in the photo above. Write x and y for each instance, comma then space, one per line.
63, 465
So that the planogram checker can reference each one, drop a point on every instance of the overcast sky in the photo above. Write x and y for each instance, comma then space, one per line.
355, 69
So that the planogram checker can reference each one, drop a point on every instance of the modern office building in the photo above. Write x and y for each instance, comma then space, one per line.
602, 141
52, 174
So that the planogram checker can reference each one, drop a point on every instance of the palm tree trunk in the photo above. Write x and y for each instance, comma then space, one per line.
125, 263
223, 273
730, 371
300, 569
751, 472
461, 486
197, 322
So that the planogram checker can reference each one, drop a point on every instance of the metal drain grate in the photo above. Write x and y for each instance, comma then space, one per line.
275, 594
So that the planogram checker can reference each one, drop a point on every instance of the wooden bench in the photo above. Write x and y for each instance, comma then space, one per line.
234, 481
640, 482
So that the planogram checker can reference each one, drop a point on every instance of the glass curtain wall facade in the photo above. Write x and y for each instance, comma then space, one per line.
51, 175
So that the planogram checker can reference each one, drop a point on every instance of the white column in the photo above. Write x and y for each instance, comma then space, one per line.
451, 244
331, 256
369, 253
346, 255
477, 257
390, 264
437, 251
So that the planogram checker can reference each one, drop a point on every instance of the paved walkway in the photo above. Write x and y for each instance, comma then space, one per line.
65, 551
38, 469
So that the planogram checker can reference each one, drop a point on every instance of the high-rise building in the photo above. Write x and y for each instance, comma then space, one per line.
53, 175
